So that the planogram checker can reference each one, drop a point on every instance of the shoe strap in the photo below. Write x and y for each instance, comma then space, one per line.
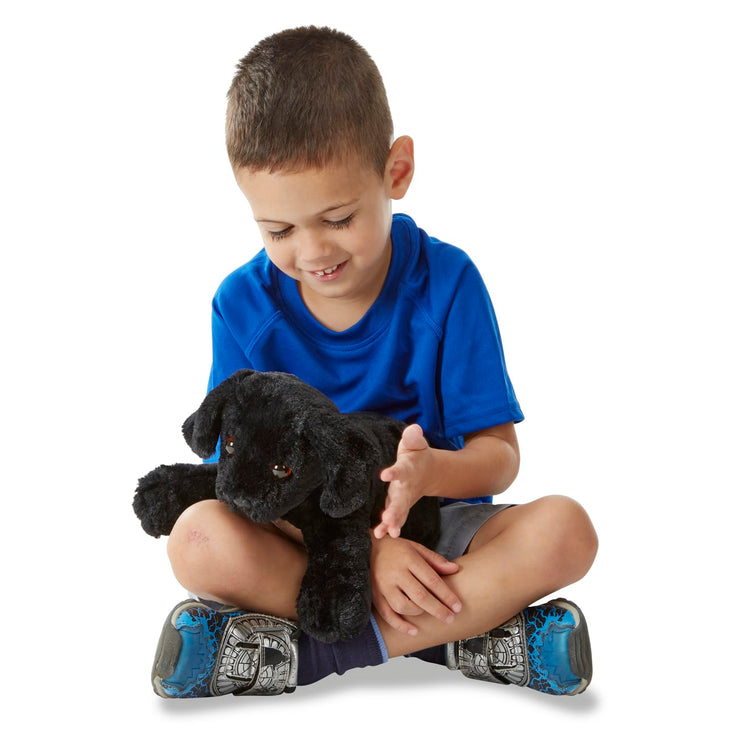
258, 656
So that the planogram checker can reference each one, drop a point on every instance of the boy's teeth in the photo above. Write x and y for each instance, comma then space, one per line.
327, 270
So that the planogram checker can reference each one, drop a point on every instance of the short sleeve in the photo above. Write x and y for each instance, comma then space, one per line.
475, 387
228, 356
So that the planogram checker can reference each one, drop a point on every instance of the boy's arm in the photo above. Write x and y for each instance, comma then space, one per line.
486, 465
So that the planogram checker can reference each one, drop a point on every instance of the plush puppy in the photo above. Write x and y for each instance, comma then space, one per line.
286, 451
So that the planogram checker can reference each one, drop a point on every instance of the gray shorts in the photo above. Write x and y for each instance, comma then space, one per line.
459, 522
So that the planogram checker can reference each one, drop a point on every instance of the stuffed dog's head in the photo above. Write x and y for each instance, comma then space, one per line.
281, 441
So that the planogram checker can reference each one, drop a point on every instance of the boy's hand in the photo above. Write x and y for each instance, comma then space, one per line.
408, 479
406, 580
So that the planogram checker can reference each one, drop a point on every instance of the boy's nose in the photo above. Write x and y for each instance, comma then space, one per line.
315, 253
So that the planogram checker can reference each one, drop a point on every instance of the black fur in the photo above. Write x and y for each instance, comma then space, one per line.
325, 481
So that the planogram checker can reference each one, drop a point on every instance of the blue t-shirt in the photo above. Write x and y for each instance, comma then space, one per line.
427, 351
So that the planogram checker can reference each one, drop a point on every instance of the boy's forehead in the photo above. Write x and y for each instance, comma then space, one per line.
309, 191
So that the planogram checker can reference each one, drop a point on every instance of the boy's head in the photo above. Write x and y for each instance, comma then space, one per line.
305, 98
309, 138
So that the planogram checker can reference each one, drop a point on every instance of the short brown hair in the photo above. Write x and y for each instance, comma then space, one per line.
304, 98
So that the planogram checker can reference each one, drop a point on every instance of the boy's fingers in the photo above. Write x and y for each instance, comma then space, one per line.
426, 602
402, 605
382, 530
392, 618
429, 577
392, 519
441, 602
436, 560
395, 511
439, 562
413, 439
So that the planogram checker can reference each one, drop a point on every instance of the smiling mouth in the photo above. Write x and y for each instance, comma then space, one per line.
328, 272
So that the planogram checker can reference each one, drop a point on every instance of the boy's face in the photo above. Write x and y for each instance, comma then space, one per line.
329, 229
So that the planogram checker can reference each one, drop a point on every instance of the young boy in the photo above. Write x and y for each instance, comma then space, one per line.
380, 317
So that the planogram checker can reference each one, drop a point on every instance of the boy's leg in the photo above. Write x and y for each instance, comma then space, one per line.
210, 649
221, 556
515, 558
518, 556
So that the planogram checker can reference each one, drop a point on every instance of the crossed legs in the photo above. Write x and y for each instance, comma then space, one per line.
519, 556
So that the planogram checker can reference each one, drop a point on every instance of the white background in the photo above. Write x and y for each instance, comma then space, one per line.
593, 159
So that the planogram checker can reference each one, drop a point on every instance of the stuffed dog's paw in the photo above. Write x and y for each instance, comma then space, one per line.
165, 492
156, 502
331, 616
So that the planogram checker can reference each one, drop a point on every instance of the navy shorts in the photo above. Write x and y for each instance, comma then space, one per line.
459, 522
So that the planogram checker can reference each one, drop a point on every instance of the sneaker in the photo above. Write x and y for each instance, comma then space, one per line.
545, 648
205, 652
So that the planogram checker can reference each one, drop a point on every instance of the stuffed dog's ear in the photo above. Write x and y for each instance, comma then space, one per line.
344, 455
202, 428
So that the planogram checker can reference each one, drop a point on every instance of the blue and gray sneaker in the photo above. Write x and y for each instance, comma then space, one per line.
545, 648
204, 652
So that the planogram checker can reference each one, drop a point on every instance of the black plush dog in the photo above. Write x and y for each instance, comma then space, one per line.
287, 452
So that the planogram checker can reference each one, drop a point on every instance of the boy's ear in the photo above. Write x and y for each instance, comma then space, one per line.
399, 170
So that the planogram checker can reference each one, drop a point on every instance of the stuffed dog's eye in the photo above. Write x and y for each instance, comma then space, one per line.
280, 471
229, 446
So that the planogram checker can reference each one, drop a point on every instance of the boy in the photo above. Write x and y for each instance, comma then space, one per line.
369, 309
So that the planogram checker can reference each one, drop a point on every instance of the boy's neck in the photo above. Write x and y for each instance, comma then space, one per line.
335, 314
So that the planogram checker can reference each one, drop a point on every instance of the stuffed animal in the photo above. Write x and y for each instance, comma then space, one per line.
286, 451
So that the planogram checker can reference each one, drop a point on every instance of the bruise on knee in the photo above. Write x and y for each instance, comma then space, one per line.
197, 536
188, 549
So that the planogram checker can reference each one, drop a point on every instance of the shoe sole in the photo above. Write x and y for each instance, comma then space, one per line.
167, 655
579, 646
168, 650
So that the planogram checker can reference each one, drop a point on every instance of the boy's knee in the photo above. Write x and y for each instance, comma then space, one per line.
195, 544
573, 540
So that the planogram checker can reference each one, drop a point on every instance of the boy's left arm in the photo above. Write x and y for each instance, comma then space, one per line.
486, 465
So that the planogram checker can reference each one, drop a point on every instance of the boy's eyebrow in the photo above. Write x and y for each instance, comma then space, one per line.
343, 204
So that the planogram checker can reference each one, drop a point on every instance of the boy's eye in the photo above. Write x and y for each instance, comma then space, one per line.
229, 446
280, 234
342, 224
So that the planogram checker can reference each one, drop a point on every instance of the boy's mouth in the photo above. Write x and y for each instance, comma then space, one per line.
328, 274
